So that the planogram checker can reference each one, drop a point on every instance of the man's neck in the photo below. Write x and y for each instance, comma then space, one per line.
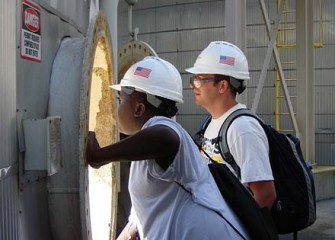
221, 107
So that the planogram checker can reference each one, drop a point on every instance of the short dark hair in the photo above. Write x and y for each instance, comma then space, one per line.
237, 85
166, 106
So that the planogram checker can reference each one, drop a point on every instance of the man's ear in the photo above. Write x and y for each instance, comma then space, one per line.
139, 109
223, 86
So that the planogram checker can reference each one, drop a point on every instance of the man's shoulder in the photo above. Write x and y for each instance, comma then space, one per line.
245, 124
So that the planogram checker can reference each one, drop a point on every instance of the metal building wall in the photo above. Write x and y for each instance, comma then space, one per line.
324, 70
59, 19
8, 157
325, 88
74, 12
257, 43
24, 89
179, 30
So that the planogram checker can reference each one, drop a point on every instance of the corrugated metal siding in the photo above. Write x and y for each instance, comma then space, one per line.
8, 184
72, 11
257, 44
59, 19
178, 31
9, 209
325, 87
33, 78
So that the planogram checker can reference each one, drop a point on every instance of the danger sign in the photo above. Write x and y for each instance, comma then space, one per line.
31, 40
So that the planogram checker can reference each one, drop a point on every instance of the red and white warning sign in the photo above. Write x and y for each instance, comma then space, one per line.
31, 40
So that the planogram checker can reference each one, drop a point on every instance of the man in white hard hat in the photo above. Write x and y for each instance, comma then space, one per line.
172, 191
219, 73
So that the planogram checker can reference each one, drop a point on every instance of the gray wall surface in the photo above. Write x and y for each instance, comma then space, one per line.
24, 91
179, 30
8, 140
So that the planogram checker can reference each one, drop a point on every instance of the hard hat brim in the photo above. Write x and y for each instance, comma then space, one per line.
195, 70
190, 70
116, 87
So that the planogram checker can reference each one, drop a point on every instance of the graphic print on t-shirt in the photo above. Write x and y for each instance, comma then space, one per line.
211, 147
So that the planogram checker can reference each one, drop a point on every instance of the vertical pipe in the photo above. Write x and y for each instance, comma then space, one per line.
305, 78
235, 20
110, 9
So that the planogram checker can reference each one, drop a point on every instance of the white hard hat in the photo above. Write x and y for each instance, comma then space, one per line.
221, 58
154, 76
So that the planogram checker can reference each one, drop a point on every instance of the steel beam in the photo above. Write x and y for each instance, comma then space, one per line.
235, 21
305, 78
280, 70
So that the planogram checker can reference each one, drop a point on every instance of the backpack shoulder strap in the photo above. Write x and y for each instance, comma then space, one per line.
200, 133
222, 138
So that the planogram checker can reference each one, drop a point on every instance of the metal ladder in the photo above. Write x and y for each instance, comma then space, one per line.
286, 43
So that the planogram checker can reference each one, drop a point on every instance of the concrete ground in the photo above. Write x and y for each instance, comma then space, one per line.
324, 226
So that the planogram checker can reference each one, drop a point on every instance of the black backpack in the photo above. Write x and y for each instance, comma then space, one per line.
295, 206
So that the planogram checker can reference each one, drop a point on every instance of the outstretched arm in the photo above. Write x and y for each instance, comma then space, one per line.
158, 142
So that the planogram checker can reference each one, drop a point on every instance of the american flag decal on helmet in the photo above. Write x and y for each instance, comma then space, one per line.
143, 72
227, 60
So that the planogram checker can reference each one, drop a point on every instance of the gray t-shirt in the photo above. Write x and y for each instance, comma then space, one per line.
164, 210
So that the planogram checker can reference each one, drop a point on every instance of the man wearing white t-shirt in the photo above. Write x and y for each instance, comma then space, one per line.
218, 75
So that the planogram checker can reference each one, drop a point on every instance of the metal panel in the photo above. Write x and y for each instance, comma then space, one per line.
122, 19
8, 177
146, 17
9, 209
324, 89
191, 126
179, 30
186, 41
325, 57
74, 12
7, 83
256, 36
58, 19
254, 14
325, 147
33, 78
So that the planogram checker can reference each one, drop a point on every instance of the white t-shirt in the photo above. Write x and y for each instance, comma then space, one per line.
247, 143
163, 210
